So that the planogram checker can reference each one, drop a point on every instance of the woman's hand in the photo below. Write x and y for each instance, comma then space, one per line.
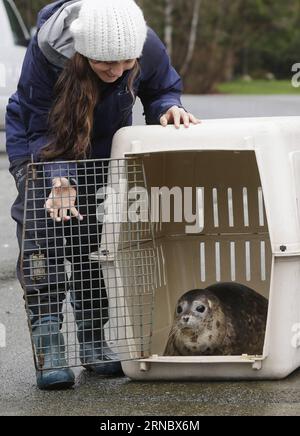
176, 115
61, 200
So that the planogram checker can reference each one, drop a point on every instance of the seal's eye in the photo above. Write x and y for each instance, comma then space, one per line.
201, 309
179, 310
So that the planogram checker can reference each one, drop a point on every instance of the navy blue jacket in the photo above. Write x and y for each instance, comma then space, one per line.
158, 86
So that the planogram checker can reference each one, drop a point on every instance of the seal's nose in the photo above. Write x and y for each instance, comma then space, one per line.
186, 318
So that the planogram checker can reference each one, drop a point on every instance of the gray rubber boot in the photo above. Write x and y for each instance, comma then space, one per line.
95, 354
50, 350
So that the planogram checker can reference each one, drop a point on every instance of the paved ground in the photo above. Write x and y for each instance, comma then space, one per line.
94, 396
227, 106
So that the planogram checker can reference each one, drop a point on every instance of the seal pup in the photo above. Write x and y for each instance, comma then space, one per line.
222, 319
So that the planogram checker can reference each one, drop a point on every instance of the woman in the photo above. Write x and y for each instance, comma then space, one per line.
80, 77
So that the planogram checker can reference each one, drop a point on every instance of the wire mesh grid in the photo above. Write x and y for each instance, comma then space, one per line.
89, 283
229, 237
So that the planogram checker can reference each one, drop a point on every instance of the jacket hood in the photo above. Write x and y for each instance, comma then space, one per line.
54, 36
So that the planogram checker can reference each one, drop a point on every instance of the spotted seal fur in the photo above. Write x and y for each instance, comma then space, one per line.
222, 319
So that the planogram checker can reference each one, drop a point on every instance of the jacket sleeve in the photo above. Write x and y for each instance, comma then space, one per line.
16, 140
160, 87
36, 95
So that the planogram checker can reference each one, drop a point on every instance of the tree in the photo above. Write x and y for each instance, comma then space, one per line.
210, 41
29, 9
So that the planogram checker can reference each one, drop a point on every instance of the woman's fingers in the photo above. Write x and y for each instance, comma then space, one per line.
178, 115
165, 119
61, 199
76, 214
54, 214
186, 119
63, 214
194, 120
59, 215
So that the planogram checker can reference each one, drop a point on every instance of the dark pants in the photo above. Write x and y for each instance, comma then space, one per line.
47, 246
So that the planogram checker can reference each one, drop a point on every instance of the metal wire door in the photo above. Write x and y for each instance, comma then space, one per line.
93, 278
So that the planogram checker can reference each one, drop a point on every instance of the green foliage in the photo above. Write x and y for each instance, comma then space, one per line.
234, 37
29, 9
258, 87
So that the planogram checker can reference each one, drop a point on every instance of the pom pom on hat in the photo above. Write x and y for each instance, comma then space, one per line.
109, 30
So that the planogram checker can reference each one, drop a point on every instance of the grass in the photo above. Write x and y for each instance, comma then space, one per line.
258, 87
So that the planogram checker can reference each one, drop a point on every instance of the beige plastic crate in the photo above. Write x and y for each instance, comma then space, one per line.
247, 175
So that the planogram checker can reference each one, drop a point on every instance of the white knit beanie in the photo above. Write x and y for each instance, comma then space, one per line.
109, 30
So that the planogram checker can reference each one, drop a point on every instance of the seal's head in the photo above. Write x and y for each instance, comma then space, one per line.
198, 326
223, 319
193, 311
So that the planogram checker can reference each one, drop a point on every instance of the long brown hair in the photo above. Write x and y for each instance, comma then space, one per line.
71, 118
